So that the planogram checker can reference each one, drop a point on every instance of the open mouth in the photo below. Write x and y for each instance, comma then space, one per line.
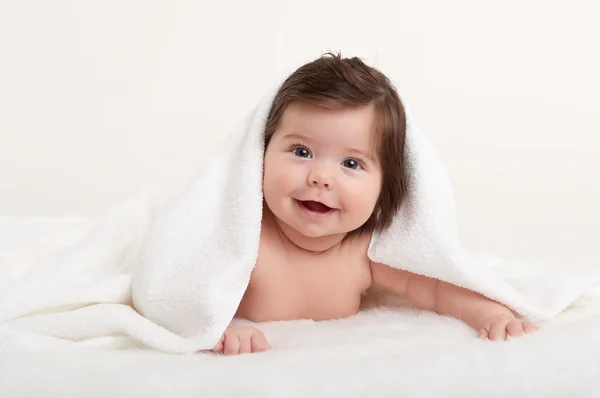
313, 207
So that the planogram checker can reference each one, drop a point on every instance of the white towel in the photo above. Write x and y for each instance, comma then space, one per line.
185, 266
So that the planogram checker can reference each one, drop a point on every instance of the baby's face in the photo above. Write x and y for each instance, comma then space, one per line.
320, 178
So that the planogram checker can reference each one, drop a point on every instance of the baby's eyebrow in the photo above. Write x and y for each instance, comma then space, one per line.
361, 153
297, 136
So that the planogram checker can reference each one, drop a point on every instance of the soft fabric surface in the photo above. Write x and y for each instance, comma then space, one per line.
378, 353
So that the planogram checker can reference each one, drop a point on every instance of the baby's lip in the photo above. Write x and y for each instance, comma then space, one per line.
317, 201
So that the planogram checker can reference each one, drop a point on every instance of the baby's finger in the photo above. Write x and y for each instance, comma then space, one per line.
529, 327
514, 328
483, 334
498, 331
232, 345
245, 344
259, 343
219, 346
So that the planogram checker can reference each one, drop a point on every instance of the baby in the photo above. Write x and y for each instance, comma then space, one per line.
333, 174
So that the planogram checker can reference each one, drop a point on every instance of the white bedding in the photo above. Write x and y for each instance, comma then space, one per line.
378, 353
374, 354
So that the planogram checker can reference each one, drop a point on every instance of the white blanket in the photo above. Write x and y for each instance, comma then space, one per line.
377, 353
184, 266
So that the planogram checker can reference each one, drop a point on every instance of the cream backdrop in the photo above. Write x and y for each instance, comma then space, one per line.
100, 99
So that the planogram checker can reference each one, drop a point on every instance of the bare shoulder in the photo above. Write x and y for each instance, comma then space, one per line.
355, 250
358, 245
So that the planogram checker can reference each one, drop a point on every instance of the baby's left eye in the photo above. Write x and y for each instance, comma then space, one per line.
351, 164
301, 151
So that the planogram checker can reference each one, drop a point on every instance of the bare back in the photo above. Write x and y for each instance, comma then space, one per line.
289, 283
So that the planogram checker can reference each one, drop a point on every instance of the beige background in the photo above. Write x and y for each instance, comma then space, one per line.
100, 99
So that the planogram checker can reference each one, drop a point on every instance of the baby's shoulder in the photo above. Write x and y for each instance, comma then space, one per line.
358, 244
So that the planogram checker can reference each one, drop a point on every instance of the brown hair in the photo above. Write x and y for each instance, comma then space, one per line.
335, 82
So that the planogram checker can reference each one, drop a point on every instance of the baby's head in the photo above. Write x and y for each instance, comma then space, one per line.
334, 153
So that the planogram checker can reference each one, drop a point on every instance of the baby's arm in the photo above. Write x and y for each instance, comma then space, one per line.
489, 318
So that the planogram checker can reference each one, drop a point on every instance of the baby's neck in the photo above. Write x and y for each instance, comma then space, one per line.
308, 244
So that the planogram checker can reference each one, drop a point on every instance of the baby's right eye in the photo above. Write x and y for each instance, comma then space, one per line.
301, 152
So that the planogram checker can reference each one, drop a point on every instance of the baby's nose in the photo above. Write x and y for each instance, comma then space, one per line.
321, 176
317, 183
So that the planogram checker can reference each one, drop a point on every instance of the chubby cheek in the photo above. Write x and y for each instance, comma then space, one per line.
269, 186
276, 182
360, 201
272, 191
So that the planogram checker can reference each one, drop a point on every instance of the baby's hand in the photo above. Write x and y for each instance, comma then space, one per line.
500, 326
241, 340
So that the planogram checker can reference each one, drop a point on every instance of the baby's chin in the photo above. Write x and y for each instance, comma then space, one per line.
315, 232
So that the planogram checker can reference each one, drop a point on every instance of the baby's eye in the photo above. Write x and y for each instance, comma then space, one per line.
351, 164
301, 152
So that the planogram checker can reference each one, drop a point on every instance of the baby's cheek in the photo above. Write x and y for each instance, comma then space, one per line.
362, 202
270, 190
275, 183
